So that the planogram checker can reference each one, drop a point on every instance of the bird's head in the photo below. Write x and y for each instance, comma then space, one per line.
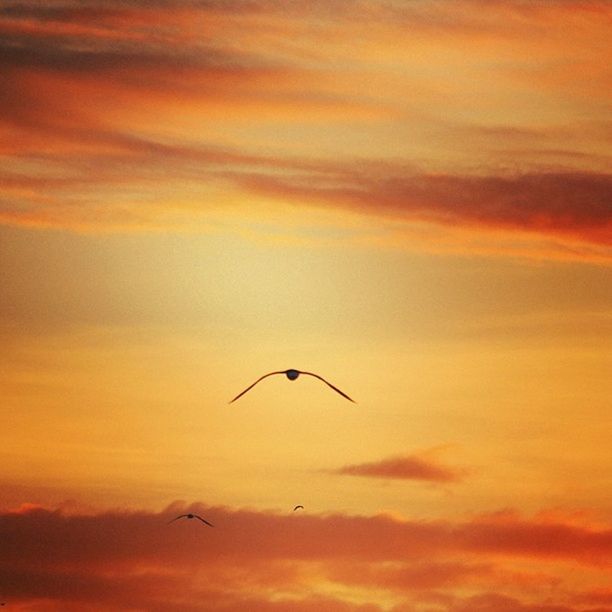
292, 374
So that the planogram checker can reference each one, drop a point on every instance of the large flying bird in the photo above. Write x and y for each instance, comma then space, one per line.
191, 516
292, 374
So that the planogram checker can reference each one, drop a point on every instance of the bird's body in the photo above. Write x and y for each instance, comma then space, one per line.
191, 516
293, 374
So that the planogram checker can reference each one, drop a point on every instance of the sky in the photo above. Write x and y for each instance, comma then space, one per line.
411, 198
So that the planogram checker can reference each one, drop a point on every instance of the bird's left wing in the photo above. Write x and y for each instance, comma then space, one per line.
258, 380
204, 521
176, 518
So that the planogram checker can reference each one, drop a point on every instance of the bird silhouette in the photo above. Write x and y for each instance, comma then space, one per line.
292, 374
297, 507
191, 516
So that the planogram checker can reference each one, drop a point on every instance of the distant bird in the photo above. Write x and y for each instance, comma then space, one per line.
292, 375
298, 507
191, 516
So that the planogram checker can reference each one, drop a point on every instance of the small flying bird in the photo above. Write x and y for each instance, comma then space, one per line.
191, 516
292, 375
298, 507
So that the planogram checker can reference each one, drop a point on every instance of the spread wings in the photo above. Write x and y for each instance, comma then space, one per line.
342, 393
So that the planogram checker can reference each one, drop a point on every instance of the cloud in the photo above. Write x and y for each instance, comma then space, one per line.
134, 61
414, 576
497, 602
410, 467
269, 561
562, 204
569, 210
104, 102
601, 596
570, 207
508, 534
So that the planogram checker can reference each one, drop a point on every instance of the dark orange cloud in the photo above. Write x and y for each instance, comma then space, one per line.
497, 602
233, 52
129, 61
563, 204
93, 98
567, 206
414, 576
410, 467
601, 596
130, 558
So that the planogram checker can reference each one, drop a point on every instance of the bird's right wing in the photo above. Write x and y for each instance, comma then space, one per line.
204, 521
342, 393
258, 380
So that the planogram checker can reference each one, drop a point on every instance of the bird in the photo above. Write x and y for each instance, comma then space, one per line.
297, 507
191, 516
292, 374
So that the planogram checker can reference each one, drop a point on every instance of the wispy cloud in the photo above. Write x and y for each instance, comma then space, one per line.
102, 102
569, 207
562, 204
408, 467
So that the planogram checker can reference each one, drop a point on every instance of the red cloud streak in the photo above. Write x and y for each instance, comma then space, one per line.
573, 204
403, 468
76, 80
135, 560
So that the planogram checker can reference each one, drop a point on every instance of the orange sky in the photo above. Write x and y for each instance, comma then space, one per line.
411, 198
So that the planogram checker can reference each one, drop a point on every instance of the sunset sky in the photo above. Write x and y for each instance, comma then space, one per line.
412, 198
